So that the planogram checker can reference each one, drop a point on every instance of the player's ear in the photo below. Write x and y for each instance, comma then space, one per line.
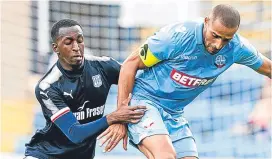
206, 20
55, 47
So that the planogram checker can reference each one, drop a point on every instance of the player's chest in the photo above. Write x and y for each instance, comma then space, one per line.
91, 87
86, 96
196, 70
201, 64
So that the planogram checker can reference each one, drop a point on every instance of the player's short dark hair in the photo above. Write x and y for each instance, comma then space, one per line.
62, 24
227, 15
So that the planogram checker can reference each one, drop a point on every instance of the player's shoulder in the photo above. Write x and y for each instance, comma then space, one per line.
99, 60
180, 31
184, 27
192, 25
52, 76
92, 58
242, 43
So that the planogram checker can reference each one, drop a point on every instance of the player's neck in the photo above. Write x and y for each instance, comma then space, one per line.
68, 67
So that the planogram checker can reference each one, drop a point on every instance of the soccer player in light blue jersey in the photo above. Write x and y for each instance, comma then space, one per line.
178, 63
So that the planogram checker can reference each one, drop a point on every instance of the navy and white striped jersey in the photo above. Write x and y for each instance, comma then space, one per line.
84, 93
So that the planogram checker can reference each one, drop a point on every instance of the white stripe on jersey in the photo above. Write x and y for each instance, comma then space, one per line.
96, 58
59, 113
50, 78
50, 105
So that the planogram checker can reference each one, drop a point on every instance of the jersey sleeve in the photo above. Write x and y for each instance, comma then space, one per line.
52, 103
248, 56
59, 113
111, 68
163, 44
158, 47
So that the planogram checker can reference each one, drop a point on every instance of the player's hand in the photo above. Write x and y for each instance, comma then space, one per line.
131, 114
126, 114
113, 135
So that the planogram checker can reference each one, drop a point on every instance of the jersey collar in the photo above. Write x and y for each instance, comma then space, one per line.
199, 33
73, 73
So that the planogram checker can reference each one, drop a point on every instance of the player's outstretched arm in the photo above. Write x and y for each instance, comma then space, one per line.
59, 113
77, 132
265, 68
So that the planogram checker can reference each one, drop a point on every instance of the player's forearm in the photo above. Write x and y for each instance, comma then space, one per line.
266, 67
127, 76
126, 81
77, 132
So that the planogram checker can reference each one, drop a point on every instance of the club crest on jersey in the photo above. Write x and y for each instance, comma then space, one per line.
220, 61
97, 82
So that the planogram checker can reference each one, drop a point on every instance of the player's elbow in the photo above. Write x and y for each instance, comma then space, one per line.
129, 67
73, 136
75, 140
130, 64
265, 69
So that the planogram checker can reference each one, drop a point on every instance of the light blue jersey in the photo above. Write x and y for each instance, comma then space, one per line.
180, 68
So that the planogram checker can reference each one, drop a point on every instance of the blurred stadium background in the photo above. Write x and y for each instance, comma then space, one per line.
218, 117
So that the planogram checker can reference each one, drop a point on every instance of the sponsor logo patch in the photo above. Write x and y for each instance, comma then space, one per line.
189, 81
186, 57
86, 113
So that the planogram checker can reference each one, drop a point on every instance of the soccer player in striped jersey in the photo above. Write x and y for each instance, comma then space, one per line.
72, 95
178, 63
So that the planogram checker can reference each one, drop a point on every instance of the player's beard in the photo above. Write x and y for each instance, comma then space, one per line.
208, 45
212, 49
78, 65
209, 48
75, 64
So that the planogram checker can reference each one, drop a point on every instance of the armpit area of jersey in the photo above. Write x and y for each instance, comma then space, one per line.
75, 131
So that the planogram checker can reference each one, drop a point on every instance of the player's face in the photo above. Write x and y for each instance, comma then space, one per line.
216, 35
70, 46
